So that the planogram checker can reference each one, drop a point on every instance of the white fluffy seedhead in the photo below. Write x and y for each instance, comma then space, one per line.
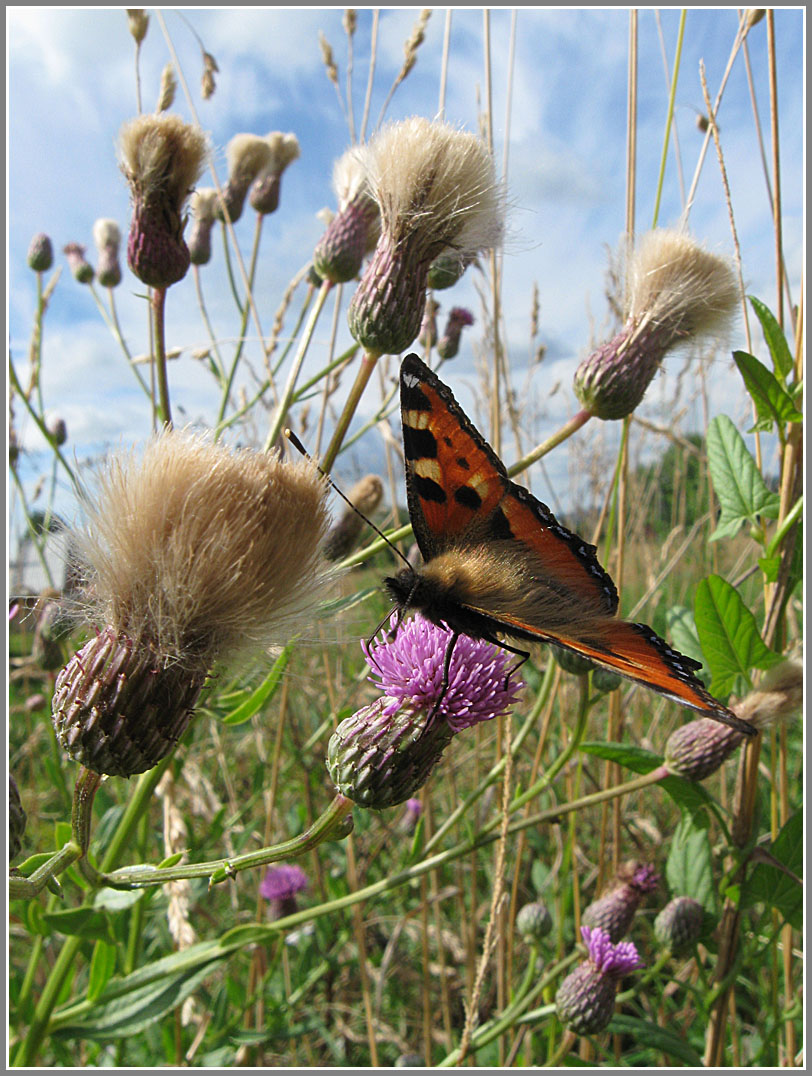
106, 233
204, 204
350, 176
284, 149
675, 282
162, 155
198, 551
247, 155
436, 187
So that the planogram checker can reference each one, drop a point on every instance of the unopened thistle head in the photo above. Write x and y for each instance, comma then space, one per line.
204, 214
107, 237
436, 190
41, 253
697, 749
614, 911
385, 752
680, 923
585, 1000
354, 230
247, 155
264, 193
195, 553
162, 158
447, 269
449, 343
678, 293
534, 921
79, 265
366, 495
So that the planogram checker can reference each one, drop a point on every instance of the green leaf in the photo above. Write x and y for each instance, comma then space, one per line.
780, 353
263, 694
742, 492
632, 758
728, 634
689, 868
688, 795
681, 628
102, 966
117, 900
769, 884
774, 405
83, 922
645, 1033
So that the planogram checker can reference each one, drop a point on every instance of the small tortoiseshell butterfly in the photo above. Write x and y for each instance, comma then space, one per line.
497, 561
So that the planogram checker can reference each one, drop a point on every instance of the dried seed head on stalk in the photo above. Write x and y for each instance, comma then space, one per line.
137, 22
354, 230
247, 155
107, 237
210, 69
436, 190
195, 554
677, 292
284, 149
204, 214
162, 158
166, 93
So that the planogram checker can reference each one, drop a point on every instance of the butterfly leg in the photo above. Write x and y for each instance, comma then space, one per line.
523, 654
449, 651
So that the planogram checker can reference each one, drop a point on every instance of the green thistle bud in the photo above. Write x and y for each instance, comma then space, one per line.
604, 680
679, 924
40, 253
379, 759
534, 921
16, 820
80, 267
446, 270
698, 749
571, 662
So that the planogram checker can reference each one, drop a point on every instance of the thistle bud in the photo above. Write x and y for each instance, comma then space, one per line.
614, 911
264, 194
449, 343
678, 293
585, 1000
604, 680
194, 555
137, 21
534, 921
280, 887
162, 158
571, 662
204, 212
354, 230
436, 190
679, 924
696, 750
342, 537
79, 265
247, 155
446, 270
16, 820
107, 237
384, 753
40, 253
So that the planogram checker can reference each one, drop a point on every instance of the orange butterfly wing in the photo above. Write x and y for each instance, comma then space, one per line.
461, 499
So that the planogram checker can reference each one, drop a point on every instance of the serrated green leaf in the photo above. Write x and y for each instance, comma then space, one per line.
780, 353
742, 492
769, 884
728, 634
83, 922
632, 758
655, 1037
102, 966
689, 868
773, 403
263, 694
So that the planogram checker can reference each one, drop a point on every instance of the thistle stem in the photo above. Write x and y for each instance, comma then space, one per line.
158, 305
368, 364
567, 430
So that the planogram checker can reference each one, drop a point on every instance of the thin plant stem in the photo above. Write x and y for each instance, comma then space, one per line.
158, 307
218, 369
779, 254
669, 117
368, 363
373, 54
243, 322
566, 431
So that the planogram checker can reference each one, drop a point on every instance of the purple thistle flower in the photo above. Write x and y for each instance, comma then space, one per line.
610, 958
281, 884
585, 1000
409, 669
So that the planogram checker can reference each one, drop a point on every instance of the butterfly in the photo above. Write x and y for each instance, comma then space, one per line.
497, 562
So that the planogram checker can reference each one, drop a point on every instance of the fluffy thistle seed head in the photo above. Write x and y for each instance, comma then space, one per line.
137, 21
678, 292
195, 553
162, 158
585, 1000
264, 194
204, 213
436, 190
40, 253
107, 237
247, 155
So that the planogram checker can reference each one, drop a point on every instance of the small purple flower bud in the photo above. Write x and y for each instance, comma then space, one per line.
698, 749
680, 923
280, 886
614, 911
585, 1000
41, 253
79, 265
449, 343
534, 921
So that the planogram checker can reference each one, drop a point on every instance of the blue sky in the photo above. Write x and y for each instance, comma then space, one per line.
71, 87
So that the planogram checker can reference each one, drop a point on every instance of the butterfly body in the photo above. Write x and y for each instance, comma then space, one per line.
498, 563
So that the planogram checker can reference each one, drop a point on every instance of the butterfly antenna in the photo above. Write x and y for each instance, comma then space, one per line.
297, 444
